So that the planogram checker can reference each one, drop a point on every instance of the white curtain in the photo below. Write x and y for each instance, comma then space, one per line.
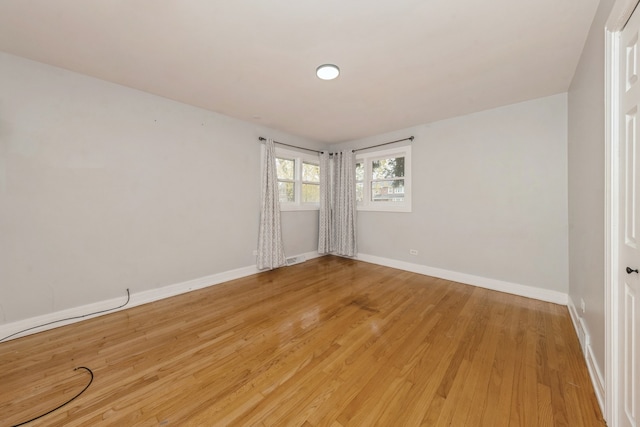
270, 247
324, 225
344, 204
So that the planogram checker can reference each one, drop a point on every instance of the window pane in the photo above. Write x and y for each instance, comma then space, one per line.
360, 171
286, 191
388, 168
310, 193
359, 192
310, 172
388, 191
285, 168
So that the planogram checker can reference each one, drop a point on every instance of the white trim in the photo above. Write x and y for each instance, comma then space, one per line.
137, 298
295, 207
620, 13
469, 279
597, 380
596, 376
611, 189
578, 325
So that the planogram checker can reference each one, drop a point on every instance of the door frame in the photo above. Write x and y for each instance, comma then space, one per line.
619, 15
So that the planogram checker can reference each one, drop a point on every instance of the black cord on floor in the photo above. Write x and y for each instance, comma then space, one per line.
70, 318
65, 403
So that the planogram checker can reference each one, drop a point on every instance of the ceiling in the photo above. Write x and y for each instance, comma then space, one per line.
403, 62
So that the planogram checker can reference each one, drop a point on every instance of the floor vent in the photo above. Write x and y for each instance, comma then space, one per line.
296, 259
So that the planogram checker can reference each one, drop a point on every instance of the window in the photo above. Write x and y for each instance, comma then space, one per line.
298, 180
310, 182
383, 180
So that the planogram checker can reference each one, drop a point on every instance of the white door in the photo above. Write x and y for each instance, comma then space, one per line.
629, 226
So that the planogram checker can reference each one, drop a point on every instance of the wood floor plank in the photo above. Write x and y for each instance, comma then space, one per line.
330, 342
496, 403
482, 365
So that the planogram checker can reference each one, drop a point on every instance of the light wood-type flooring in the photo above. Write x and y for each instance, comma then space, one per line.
329, 342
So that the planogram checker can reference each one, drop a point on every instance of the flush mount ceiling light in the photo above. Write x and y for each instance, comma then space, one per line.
327, 71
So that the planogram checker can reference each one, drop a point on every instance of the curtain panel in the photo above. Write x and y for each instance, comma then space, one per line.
343, 205
325, 220
270, 246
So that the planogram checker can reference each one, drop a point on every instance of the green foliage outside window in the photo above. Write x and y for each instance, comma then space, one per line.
388, 168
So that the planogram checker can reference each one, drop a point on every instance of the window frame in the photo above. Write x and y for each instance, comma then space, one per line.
298, 158
367, 159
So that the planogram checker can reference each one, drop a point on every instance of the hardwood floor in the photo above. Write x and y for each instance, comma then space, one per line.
330, 342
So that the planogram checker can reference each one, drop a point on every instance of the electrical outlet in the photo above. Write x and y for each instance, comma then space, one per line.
413, 252
583, 305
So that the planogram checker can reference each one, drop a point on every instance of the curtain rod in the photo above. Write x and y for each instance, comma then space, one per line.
289, 145
411, 138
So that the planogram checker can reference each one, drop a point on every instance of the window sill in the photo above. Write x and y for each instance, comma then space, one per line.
294, 208
404, 208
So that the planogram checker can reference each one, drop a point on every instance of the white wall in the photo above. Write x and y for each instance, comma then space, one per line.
489, 196
104, 188
586, 183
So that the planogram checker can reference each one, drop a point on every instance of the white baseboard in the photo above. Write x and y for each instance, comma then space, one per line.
578, 325
597, 379
469, 279
81, 313
77, 314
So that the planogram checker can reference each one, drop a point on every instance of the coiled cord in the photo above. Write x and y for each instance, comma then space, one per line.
65, 403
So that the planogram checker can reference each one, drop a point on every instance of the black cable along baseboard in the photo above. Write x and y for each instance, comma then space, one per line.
70, 318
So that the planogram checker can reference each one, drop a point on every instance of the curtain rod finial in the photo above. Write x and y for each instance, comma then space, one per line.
261, 138
411, 138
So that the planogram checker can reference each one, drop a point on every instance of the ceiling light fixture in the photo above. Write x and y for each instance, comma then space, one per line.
327, 71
